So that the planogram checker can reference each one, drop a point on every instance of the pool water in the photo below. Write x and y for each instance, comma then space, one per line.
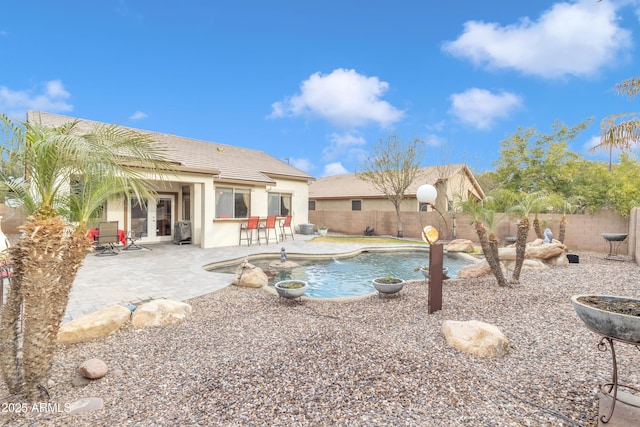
351, 276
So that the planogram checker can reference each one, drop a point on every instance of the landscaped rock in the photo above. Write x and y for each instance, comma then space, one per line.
545, 250
286, 264
475, 337
250, 276
460, 245
85, 405
507, 253
474, 270
94, 325
527, 264
93, 369
160, 312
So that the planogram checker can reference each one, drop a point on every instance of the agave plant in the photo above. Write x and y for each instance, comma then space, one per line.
70, 171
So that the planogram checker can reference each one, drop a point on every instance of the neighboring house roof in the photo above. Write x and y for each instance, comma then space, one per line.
230, 163
348, 186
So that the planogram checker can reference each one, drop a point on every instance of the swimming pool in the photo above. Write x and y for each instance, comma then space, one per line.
340, 277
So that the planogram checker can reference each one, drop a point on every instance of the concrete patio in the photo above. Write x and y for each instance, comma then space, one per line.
169, 271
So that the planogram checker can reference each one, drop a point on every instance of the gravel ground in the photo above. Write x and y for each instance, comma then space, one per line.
247, 359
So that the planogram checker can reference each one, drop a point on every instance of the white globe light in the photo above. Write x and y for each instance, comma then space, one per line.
427, 194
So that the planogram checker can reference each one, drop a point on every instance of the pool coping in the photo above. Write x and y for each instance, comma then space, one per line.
348, 254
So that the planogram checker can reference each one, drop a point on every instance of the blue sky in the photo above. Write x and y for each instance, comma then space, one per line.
319, 83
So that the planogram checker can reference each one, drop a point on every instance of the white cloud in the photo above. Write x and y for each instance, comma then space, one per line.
435, 141
52, 99
342, 145
570, 38
481, 108
601, 153
335, 168
138, 115
302, 164
344, 98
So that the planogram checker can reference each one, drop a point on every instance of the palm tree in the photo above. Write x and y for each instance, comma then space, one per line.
621, 130
565, 207
62, 165
530, 202
488, 241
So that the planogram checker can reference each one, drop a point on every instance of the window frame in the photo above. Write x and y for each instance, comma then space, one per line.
235, 192
281, 206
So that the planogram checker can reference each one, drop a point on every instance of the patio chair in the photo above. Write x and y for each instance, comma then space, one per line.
132, 237
266, 227
283, 228
107, 238
247, 229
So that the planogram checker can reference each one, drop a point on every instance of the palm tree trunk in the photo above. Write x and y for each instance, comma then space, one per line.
521, 247
537, 228
490, 254
46, 261
563, 229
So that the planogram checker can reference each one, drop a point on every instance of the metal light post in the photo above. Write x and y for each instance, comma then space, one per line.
427, 194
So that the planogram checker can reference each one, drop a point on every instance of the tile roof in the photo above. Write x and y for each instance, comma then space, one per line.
230, 162
348, 186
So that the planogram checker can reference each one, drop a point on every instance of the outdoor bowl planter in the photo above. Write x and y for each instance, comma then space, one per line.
388, 285
425, 272
291, 288
610, 316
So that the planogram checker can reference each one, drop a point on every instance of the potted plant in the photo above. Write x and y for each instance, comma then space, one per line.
323, 229
291, 288
388, 285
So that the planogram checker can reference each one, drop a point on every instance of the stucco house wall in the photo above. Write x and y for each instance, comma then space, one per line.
201, 168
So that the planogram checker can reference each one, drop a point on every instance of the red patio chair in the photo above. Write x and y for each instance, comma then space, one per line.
247, 229
283, 228
265, 227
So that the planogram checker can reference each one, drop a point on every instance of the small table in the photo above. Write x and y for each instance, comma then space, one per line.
615, 240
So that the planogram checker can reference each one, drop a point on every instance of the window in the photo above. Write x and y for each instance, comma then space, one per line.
312, 205
233, 202
356, 205
279, 204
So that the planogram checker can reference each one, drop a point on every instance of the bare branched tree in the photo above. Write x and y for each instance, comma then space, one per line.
391, 169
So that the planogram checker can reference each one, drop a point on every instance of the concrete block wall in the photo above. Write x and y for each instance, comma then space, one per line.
584, 232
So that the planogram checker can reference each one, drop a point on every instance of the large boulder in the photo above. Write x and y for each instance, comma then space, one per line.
250, 276
460, 245
507, 253
474, 270
160, 312
94, 325
545, 250
527, 264
475, 337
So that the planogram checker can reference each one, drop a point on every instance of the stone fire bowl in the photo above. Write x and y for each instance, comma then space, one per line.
619, 326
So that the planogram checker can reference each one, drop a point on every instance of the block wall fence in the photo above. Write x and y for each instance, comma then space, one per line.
583, 233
